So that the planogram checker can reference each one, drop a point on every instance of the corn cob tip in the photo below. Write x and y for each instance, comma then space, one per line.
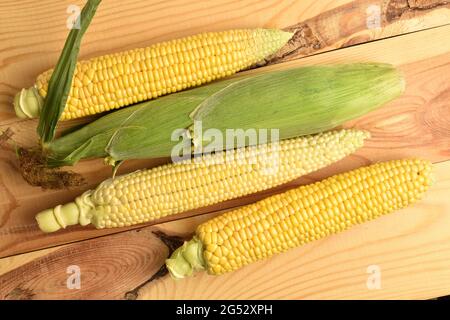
186, 259
61, 216
28, 103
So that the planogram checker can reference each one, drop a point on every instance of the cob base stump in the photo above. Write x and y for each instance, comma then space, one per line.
281, 222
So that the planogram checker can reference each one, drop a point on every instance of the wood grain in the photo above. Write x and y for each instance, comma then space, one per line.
121, 262
417, 124
320, 26
362, 21
411, 247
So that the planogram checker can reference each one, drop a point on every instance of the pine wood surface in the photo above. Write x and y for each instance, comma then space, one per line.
414, 37
410, 247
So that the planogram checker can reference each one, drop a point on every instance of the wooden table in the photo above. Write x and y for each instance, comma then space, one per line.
409, 250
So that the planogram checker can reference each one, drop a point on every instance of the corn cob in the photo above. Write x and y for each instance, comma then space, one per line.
152, 194
297, 101
113, 81
299, 216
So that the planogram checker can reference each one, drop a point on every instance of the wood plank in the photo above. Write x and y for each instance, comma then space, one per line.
16, 261
411, 248
320, 26
417, 124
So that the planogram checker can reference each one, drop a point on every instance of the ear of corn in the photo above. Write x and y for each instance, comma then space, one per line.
299, 216
60, 81
298, 101
152, 194
117, 80
308, 99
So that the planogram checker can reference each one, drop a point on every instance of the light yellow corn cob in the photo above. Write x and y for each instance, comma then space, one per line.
116, 80
152, 194
284, 221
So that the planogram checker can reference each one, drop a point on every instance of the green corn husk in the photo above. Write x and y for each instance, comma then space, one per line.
61, 80
298, 102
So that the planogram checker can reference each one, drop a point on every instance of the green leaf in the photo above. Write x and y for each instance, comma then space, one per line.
61, 79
